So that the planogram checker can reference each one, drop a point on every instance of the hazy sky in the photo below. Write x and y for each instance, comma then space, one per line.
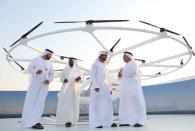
19, 16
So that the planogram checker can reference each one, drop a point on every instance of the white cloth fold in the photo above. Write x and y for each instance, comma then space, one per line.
37, 91
132, 108
100, 104
68, 100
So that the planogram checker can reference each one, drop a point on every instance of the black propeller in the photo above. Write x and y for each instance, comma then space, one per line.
22, 68
63, 57
188, 44
181, 63
159, 73
58, 70
111, 49
89, 22
161, 29
26, 34
88, 78
143, 61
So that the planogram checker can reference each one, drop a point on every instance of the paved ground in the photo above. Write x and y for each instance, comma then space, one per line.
155, 123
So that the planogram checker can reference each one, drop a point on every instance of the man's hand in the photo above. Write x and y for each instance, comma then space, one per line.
78, 79
39, 72
114, 84
46, 81
120, 72
97, 89
65, 80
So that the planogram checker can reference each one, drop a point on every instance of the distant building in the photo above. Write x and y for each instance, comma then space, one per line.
177, 97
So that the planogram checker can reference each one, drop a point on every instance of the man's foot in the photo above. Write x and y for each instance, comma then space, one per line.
99, 127
124, 125
114, 125
68, 124
137, 125
38, 126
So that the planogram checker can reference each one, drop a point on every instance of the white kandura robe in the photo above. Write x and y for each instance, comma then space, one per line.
68, 99
100, 104
37, 91
132, 108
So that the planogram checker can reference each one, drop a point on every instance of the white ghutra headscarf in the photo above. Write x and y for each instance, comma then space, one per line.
74, 73
47, 51
102, 53
129, 54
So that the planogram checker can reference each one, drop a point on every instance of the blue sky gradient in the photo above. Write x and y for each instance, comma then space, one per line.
19, 16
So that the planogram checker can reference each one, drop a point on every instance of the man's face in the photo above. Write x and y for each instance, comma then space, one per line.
48, 56
71, 63
104, 57
126, 58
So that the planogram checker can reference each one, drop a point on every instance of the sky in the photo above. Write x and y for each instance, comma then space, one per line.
19, 16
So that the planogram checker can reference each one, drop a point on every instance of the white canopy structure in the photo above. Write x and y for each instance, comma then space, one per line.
147, 46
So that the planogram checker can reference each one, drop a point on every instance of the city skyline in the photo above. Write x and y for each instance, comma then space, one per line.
171, 97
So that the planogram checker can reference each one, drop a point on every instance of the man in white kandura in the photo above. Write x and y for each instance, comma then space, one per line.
100, 104
68, 99
41, 71
132, 108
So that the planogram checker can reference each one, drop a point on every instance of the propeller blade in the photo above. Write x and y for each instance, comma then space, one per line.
15, 42
75, 58
32, 29
159, 73
58, 70
187, 42
62, 58
22, 68
27, 33
161, 29
7, 52
181, 62
111, 49
149, 24
92, 21
88, 78
171, 32
69, 21
101, 21
143, 61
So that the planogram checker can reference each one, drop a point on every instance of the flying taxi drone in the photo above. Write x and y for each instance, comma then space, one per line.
90, 28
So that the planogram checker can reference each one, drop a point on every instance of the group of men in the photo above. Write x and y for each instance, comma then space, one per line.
132, 109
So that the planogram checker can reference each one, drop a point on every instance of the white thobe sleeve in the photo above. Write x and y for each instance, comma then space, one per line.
62, 75
32, 68
82, 77
109, 81
78, 73
130, 70
94, 76
51, 74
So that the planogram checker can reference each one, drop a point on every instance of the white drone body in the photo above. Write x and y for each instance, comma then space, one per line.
89, 28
